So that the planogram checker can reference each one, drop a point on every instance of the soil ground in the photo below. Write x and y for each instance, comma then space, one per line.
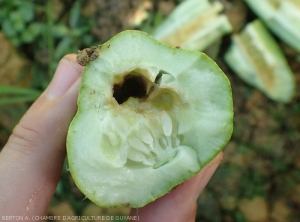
259, 178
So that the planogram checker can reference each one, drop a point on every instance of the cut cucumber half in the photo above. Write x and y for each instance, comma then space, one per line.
194, 24
255, 56
282, 17
149, 117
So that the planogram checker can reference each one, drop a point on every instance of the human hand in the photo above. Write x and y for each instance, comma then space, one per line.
32, 159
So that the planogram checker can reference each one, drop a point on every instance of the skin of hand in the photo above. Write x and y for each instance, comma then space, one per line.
32, 159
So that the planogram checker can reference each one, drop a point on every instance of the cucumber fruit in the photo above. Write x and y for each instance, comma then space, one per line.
149, 117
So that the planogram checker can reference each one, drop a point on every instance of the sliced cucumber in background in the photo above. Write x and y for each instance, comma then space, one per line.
256, 57
282, 17
194, 24
149, 117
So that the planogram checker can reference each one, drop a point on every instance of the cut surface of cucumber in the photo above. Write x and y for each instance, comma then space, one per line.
194, 24
282, 17
255, 56
149, 117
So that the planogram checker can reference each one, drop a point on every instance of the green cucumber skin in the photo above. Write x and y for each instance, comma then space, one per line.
89, 175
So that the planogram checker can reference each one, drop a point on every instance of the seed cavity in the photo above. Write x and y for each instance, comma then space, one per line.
146, 136
163, 142
149, 134
166, 123
176, 141
135, 85
113, 138
136, 156
139, 145
132, 86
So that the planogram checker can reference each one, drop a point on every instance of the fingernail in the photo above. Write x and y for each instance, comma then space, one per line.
75, 88
64, 77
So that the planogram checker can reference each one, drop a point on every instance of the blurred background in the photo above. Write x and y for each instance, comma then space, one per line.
259, 178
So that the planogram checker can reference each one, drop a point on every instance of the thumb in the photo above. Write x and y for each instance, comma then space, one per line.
31, 161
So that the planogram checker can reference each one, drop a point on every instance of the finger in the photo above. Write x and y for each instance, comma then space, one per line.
31, 161
181, 203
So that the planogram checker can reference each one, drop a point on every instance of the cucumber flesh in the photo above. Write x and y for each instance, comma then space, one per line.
255, 56
149, 117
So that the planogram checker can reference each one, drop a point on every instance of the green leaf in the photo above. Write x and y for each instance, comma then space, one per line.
15, 94
60, 30
15, 90
87, 40
18, 25
8, 29
15, 40
27, 13
36, 28
15, 16
75, 14
19, 99
78, 32
63, 47
3, 15
27, 36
